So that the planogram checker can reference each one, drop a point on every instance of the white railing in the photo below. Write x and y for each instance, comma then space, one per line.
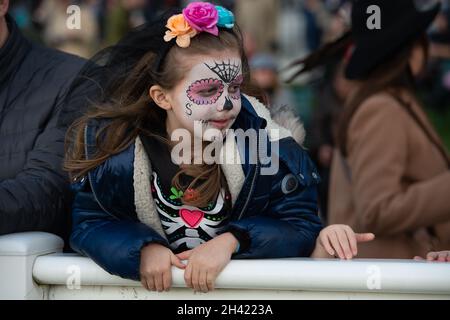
32, 267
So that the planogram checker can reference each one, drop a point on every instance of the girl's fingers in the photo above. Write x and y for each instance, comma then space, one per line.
352, 240
326, 244
188, 276
195, 279
210, 279
167, 280
185, 255
442, 256
336, 245
431, 256
158, 279
144, 282
150, 283
177, 262
202, 280
417, 258
364, 237
342, 236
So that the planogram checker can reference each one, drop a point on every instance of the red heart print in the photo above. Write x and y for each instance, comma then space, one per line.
191, 218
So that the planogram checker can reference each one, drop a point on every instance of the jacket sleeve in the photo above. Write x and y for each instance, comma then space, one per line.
113, 244
38, 197
377, 156
290, 224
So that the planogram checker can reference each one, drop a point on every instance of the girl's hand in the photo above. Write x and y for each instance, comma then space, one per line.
156, 265
206, 261
339, 240
442, 256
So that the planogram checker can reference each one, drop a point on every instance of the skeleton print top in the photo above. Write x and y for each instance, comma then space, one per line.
185, 226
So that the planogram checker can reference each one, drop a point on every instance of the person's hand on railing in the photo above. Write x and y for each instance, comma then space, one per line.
206, 261
156, 267
339, 241
442, 256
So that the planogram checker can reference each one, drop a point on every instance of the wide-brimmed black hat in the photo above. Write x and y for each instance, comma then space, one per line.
402, 21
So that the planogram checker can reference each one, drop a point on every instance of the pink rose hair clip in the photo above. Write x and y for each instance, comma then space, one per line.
197, 17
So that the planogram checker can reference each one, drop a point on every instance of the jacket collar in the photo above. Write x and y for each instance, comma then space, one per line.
248, 118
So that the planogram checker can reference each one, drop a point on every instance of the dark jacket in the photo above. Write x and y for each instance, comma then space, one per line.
34, 190
276, 218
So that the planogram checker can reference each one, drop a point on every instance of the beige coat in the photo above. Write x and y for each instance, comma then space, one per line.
394, 182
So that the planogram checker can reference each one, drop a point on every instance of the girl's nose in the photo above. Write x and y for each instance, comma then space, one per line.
228, 104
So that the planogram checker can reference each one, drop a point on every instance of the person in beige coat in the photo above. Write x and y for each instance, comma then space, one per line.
390, 174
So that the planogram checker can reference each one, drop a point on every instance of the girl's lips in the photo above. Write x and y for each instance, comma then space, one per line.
220, 124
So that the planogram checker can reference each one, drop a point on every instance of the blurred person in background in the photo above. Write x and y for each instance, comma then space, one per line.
259, 19
331, 89
331, 94
52, 14
390, 172
317, 20
264, 70
435, 83
23, 12
123, 15
281, 103
34, 190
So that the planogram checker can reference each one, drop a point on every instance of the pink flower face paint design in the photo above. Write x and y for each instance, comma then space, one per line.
234, 88
205, 91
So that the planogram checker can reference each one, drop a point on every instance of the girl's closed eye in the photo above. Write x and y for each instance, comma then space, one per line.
205, 91
208, 92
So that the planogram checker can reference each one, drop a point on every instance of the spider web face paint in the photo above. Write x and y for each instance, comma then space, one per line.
226, 71
205, 91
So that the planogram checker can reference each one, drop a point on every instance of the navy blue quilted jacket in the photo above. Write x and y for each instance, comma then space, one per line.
277, 213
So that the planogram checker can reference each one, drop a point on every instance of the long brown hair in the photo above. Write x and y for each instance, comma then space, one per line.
393, 76
130, 112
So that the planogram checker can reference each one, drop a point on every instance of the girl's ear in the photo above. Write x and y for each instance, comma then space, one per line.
160, 97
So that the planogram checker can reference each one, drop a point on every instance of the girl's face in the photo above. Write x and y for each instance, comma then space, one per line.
208, 96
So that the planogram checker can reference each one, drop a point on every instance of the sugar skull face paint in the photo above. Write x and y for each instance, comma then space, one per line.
205, 91
209, 93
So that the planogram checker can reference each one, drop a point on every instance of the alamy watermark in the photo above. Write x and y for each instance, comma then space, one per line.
259, 148
73, 281
374, 277
73, 21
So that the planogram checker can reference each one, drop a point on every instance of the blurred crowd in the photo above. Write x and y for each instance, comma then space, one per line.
276, 33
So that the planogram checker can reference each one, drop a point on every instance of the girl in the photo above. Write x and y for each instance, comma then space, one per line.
143, 203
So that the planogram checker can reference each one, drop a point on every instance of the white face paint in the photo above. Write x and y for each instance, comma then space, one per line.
210, 94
